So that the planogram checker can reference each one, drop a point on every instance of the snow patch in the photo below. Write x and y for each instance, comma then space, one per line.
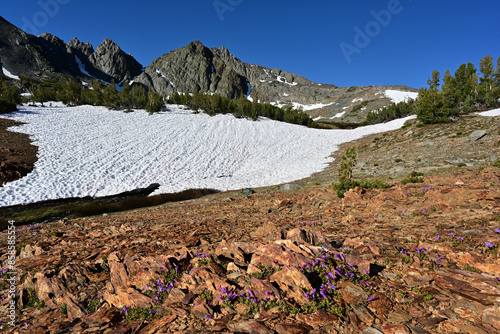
119, 151
338, 115
308, 107
283, 80
81, 66
8, 74
398, 96
490, 113
249, 91
164, 77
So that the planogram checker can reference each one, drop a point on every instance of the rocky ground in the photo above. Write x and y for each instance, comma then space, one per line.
469, 143
17, 155
415, 258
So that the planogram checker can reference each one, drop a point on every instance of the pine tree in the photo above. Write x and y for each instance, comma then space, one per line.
487, 82
111, 98
433, 82
155, 102
432, 107
125, 98
138, 96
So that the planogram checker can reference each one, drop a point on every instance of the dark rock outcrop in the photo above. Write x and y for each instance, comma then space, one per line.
109, 62
48, 56
31, 56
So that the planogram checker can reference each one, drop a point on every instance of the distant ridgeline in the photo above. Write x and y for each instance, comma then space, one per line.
464, 92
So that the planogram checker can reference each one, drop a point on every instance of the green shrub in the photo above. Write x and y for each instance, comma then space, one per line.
6, 106
155, 102
497, 163
413, 177
346, 180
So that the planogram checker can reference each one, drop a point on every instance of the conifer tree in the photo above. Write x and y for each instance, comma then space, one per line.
155, 102
487, 82
433, 82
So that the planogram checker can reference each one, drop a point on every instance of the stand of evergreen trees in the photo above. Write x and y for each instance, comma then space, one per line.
216, 104
98, 93
465, 92
9, 95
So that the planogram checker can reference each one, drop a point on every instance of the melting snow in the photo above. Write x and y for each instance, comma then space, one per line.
338, 115
308, 107
398, 96
8, 74
490, 113
93, 151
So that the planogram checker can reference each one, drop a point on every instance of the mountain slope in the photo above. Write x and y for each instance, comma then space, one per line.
194, 67
197, 67
31, 56
47, 56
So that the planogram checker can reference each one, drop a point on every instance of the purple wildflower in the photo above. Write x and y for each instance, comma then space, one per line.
208, 316
497, 230
370, 299
438, 237
489, 244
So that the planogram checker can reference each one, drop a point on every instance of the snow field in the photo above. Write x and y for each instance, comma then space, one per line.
93, 151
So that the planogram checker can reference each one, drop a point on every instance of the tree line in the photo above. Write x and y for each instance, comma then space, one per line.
73, 93
217, 104
465, 91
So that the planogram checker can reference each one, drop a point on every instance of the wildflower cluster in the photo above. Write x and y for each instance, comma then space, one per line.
158, 291
94, 303
147, 313
423, 254
254, 303
324, 275
204, 259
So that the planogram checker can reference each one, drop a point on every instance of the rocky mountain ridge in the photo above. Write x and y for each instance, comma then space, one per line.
194, 67
47, 56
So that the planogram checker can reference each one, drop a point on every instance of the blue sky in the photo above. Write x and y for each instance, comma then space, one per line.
345, 43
